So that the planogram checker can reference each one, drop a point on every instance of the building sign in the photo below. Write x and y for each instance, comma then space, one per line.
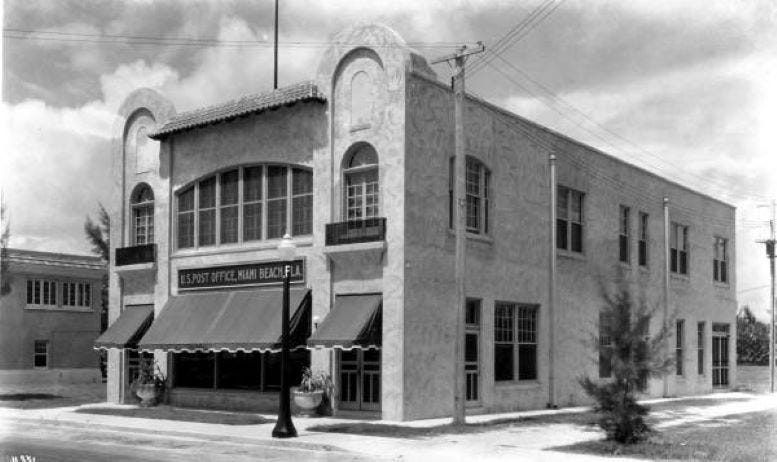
249, 274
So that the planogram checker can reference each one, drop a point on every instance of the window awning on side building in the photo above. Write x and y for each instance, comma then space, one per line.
354, 322
228, 321
127, 329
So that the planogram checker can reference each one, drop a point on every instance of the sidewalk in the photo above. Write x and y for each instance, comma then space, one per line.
527, 441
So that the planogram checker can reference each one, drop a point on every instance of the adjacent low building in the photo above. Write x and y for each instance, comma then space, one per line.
356, 165
50, 317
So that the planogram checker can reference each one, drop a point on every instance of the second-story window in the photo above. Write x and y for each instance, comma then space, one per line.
720, 260
142, 205
678, 243
477, 187
624, 240
362, 191
569, 220
245, 204
643, 239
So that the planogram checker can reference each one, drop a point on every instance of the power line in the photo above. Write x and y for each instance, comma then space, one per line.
753, 288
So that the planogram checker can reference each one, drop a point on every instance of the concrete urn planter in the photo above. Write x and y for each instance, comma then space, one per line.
308, 401
148, 393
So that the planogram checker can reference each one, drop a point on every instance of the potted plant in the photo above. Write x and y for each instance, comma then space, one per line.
312, 390
150, 384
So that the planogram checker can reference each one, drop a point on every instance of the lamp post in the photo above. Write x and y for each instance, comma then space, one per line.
284, 427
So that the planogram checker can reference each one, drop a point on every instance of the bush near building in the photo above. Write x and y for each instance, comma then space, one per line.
752, 339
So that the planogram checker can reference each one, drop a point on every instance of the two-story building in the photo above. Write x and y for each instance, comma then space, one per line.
356, 165
50, 317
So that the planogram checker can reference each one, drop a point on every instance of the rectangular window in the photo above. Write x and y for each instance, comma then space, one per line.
77, 294
569, 219
186, 218
679, 342
605, 346
207, 212
302, 202
252, 203
678, 244
276, 201
624, 238
477, 193
515, 342
720, 260
643, 239
700, 347
229, 207
41, 355
42, 292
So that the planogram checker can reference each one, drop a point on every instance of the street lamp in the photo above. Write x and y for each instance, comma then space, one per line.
284, 427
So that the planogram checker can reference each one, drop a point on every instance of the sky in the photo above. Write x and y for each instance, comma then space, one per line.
682, 88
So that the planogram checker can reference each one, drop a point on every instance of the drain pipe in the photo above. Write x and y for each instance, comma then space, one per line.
552, 287
666, 290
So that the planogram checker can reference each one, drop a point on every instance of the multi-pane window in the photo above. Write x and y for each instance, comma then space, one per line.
643, 239
720, 260
41, 292
142, 215
77, 294
678, 243
624, 237
229, 208
246, 204
700, 347
605, 345
515, 342
477, 187
41, 353
679, 342
569, 220
362, 186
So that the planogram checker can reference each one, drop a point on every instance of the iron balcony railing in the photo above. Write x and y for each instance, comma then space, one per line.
356, 231
136, 254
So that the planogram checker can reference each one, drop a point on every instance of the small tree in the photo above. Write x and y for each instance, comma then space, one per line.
752, 339
99, 235
635, 356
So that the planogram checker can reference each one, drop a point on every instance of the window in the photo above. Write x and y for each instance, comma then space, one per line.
624, 241
77, 294
515, 342
245, 204
605, 346
236, 371
678, 243
42, 292
700, 347
679, 341
41, 354
362, 198
477, 187
142, 215
643, 239
720, 260
569, 220
471, 350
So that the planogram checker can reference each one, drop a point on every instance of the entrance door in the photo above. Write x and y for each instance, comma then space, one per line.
360, 380
472, 353
720, 355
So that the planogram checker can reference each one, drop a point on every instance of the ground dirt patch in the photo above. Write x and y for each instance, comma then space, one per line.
179, 414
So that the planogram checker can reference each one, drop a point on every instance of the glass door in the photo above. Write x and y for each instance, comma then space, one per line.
720, 355
359, 380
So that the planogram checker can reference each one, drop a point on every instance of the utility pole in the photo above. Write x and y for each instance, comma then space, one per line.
770, 244
459, 58
275, 51
667, 267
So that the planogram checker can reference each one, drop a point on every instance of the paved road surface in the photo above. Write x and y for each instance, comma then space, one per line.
44, 442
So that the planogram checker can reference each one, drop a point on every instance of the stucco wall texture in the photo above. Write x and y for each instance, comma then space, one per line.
406, 115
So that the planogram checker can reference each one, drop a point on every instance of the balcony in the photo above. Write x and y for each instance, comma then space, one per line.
136, 255
356, 231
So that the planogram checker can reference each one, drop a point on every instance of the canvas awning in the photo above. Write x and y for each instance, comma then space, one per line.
128, 329
354, 322
231, 321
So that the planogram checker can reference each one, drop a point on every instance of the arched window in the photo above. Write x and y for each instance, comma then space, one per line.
362, 192
142, 202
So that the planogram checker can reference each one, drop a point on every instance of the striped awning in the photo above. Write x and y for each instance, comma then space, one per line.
228, 321
127, 329
354, 322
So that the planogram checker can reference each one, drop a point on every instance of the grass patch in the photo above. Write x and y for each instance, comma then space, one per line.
27, 396
742, 437
179, 414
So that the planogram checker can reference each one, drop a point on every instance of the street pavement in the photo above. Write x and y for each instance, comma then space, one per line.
63, 434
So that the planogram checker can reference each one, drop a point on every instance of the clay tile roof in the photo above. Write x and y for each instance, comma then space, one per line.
300, 92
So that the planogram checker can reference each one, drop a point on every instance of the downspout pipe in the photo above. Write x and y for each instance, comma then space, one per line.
552, 286
667, 256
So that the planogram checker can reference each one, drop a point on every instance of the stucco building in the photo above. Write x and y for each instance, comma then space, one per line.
50, 317
356, 166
